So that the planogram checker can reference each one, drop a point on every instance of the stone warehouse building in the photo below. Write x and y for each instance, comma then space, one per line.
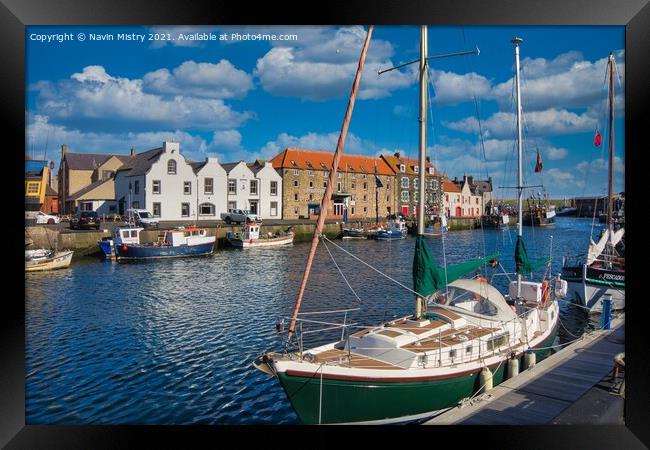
304, 178
406, 171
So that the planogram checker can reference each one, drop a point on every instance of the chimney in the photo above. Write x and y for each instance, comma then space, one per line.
64, 150
428, 159
470, 179
396, 155
133, 152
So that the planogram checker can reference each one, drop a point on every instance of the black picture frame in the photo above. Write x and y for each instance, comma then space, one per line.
633, 14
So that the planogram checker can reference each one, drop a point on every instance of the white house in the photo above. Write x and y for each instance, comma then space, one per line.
243, 188
163, 182
270, 189
212, 179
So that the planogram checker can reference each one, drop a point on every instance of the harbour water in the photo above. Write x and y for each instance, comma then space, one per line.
172, 341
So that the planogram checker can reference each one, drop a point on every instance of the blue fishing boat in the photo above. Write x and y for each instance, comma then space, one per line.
394, 229
121, 235
190, 241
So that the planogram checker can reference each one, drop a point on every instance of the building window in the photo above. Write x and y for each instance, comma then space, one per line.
416, 183
405, 182
312, 173
32, 188
295, 183
353, 210
274, 188
274, 209
187, 187
106, 174
171, 167
232, 186
402, 168
135, 204
208, 186
253, 190
206, 209
156, 209
477, 200
136, 188
295, 210
295, 197
325, 183
387, 198
405, 196
155, 187
338, 186
296, 172
311, 196
365, 197
311, 184
430, 170
185, 209
447, 197
232, 205
354, 185
415, 196
365, 186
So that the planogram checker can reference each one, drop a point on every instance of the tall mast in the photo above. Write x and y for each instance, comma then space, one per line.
520, 183
610, 194
419, 301
327, 196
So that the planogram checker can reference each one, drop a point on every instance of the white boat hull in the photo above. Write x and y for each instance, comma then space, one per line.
591, 296
59, 261
285, 240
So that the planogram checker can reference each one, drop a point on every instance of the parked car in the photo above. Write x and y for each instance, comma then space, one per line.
141, 217
240, 216
41, 217
85, 219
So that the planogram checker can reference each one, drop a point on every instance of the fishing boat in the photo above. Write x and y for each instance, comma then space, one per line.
540, 213
354, 233
129, 234
393, 229
602, 272
181, 241
495, 217
464, 331
249, 237
43, 259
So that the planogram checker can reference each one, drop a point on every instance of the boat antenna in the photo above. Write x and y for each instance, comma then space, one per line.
327, 196
520, 188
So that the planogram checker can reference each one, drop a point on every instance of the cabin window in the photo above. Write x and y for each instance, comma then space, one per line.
468, 349
187, 187
423, 359
405, 182
208, 186
274, 208
232, 186
156, 209
125, 234
274, 188
207, 209
452, 353
136, 189
497, 341
32, 188
185, 209
253, 189
155, 187
171, 167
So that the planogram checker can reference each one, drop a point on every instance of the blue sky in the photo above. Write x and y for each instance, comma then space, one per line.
246, 99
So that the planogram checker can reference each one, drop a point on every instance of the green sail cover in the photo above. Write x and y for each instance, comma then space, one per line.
428, 277
521, 257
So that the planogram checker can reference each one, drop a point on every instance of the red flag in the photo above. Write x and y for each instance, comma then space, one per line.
598, 139
538, 166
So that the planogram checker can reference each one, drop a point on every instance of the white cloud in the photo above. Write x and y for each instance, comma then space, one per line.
554, 153
549, 122
221, 80
323, 65
93, 96
320, 141
454, 88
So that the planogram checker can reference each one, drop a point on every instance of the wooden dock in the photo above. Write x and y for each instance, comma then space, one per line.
539, 395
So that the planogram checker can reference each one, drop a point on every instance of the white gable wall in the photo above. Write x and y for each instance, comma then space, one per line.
265, 176
212, 169
242, 197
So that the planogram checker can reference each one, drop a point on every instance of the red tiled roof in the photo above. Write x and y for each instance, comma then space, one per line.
449, 186
294, 158
394, 162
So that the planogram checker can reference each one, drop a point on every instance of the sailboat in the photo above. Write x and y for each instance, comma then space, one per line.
464, 332
602, 272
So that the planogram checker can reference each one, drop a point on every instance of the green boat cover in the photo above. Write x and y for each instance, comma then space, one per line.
428, 277
523, 264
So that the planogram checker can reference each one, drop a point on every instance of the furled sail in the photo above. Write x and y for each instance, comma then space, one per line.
596, 249
617, 236
428, 277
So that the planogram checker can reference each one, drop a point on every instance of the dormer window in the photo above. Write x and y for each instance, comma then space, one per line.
171, 167
293, 163
430, 170
402, 168
323, 166
416, 169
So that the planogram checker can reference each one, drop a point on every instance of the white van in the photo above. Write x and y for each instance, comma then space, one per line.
141, 217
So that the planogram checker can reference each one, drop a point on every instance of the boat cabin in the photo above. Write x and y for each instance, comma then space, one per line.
184, 236
126, 235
